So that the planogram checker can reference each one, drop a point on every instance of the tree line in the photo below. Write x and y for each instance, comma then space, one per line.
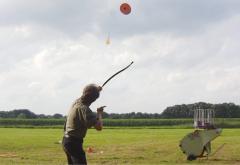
27, 114
224, 110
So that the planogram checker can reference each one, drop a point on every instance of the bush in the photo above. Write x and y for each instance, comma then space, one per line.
178, 123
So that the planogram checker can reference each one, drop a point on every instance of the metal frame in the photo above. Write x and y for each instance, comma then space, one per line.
204, 118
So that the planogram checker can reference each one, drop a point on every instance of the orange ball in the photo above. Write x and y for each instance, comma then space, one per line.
89, 150
125, 8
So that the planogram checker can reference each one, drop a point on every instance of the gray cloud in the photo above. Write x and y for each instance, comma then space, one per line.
76, 17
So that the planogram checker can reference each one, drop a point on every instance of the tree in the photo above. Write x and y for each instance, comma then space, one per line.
22, 116
57, 116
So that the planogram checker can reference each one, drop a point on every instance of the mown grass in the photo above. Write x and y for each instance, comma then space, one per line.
112, 146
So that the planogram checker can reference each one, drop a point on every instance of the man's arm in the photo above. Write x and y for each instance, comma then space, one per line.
99, 125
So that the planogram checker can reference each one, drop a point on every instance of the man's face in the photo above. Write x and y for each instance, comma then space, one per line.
92, 92
97, 96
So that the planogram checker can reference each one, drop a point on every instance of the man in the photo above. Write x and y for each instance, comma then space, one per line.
79, 119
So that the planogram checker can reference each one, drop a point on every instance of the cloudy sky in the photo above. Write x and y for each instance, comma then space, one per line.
183, 52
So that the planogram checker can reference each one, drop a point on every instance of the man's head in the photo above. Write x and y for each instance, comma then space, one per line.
90, 93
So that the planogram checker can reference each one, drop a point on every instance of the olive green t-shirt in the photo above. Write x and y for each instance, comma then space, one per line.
80, 117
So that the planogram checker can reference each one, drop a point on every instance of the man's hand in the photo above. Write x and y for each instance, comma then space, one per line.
99, 123
100, 109
99, 88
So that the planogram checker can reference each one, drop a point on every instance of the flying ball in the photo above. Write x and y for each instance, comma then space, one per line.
125, 8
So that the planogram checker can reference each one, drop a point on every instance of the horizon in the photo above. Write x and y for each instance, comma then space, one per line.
120, 113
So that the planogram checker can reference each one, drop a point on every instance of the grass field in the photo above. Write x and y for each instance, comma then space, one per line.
112, 146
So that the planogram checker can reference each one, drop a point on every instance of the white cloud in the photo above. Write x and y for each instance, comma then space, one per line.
49, 58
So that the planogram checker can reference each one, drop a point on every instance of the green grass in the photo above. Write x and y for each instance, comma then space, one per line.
112, 146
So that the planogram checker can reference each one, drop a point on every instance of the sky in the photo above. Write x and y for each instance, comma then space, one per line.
183, 52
